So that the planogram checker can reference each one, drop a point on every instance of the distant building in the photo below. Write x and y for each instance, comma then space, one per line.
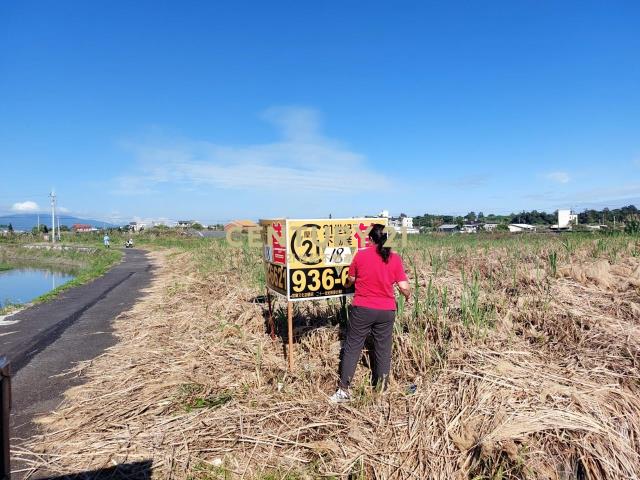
566, 218
403, 224
206, 233
448, 228
137, 226
242, 225
400, 224
469, 228
81, 227
490, 227
521, 227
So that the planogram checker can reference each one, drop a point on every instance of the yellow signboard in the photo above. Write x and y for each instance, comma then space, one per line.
309, 259
275, 254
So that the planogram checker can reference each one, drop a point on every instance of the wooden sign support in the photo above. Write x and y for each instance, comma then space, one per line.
290, 329
272, 327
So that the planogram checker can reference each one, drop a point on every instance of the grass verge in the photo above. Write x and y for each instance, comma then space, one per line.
85, 265
97, 265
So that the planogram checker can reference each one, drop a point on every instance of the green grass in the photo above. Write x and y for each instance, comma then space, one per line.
206, 471
97, 265
192, 396
210, 401
553, 263
474, 312
4, 267
9, 307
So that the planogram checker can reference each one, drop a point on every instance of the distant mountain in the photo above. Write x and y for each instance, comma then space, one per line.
26, 221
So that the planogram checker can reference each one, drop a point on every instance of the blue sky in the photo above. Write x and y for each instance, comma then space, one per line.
253, 109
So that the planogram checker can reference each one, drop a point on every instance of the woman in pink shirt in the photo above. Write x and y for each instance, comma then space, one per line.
374, 270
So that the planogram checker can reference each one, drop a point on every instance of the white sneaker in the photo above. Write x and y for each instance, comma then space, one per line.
341, 396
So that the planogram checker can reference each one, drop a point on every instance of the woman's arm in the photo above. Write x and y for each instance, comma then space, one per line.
350, 281
404, 288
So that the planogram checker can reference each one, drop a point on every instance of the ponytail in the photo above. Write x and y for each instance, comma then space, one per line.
378, 237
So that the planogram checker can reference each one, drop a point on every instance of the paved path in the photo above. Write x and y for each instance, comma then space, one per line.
49, 339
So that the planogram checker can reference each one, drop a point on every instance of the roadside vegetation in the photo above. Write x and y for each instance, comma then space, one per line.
517, 357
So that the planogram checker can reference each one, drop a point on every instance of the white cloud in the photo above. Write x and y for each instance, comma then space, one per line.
303, 159
63, 210
25, 207
558, 177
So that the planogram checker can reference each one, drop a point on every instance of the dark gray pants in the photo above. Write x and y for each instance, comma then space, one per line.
363, 321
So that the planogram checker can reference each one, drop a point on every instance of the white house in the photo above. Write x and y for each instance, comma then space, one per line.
490, 227
400, 223
521, 227
406, 224
566, 218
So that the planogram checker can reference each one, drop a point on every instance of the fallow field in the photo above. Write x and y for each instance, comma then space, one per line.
524, 352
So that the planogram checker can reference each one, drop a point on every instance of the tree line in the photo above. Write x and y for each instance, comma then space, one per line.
533, 217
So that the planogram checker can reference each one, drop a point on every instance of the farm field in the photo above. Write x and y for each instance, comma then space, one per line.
524, 351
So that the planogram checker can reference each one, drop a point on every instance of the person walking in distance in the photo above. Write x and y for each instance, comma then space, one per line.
106, 240
375, 271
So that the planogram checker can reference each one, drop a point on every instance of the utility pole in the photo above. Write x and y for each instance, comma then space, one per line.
53, 216
38, 223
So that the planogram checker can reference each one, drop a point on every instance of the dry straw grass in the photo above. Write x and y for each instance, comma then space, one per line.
523, 370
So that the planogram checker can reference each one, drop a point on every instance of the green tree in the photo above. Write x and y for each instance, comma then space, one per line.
632, 227
197, 226
10, 229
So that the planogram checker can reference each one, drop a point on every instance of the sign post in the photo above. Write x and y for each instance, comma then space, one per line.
290, 331
272, 326
309, 259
